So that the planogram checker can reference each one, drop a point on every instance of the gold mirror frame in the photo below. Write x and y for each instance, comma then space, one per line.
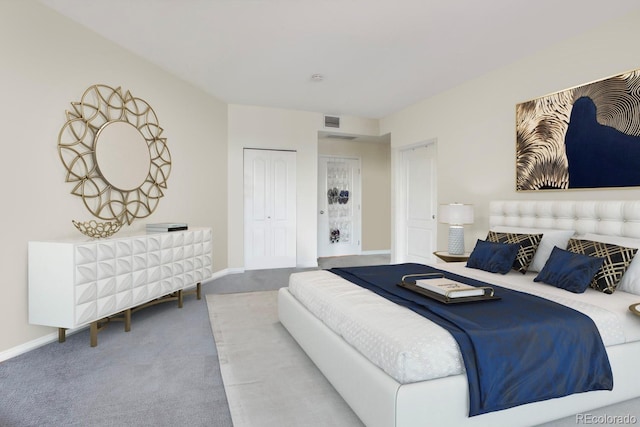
99, 106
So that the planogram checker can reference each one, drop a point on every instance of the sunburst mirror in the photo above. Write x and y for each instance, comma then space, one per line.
112, 149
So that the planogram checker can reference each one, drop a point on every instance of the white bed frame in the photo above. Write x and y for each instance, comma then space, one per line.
380, 401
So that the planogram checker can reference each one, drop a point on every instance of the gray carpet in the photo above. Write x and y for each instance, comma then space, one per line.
269, 380
165, 372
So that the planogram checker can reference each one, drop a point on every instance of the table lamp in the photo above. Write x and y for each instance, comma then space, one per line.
456, 215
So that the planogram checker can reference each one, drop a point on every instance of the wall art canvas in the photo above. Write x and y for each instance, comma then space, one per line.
580, 138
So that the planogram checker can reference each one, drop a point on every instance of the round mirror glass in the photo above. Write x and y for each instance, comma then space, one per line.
122, 155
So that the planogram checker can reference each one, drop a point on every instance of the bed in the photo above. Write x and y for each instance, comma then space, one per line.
382, 397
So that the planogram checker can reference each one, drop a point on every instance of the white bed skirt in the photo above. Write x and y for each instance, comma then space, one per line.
380, 401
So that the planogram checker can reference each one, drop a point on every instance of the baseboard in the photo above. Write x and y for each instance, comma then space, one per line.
382, 252
28, 346
309, 264
376, 252
33, 344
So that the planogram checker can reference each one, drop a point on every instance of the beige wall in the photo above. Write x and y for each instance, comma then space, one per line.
376, 186
275, 128
474, 123
48, 62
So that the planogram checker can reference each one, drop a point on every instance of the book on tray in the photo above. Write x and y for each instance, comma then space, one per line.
167, 226
449, 288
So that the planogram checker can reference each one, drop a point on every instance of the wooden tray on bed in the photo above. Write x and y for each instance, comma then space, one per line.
404, 283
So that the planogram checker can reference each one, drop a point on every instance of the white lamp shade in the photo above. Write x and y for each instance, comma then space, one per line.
456, 214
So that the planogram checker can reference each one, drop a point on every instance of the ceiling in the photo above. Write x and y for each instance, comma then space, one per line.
376, 56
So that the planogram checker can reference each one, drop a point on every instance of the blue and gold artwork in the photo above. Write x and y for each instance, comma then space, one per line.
580, 138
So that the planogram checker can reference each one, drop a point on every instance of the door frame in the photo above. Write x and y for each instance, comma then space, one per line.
398, 199
357, 231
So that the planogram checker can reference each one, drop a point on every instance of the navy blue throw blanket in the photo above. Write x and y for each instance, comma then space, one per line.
516, 350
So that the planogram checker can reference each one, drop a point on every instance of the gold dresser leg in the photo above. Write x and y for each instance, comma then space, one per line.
180, 298
62, 334
199, 290
93, 333
127, 320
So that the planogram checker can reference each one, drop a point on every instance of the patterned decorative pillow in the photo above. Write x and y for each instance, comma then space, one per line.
616, 261
528, 246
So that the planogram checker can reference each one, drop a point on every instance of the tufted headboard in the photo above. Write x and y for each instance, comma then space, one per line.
608, 217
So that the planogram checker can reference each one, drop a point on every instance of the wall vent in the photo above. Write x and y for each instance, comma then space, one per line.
331, 122
339, 136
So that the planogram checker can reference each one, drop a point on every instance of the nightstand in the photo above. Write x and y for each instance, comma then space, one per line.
447, 257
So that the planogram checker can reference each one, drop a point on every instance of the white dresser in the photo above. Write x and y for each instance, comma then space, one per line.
78, 282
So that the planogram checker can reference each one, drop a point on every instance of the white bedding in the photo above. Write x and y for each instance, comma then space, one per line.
411, 348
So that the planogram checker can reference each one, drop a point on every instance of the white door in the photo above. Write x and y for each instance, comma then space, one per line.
417, 204
269, 209
339, 214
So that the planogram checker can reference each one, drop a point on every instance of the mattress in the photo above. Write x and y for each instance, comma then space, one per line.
409, 347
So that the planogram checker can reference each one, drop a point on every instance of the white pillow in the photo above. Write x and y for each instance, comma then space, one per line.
550, 238
630, 281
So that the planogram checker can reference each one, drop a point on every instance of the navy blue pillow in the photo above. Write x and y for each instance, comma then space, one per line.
493, 257
569, 270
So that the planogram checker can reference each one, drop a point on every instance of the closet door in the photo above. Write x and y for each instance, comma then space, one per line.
269, 209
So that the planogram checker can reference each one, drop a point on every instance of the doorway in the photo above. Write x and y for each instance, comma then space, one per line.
416, 205
339, 207
269, 209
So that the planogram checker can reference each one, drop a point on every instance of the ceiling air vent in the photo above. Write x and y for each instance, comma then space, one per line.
331, 122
